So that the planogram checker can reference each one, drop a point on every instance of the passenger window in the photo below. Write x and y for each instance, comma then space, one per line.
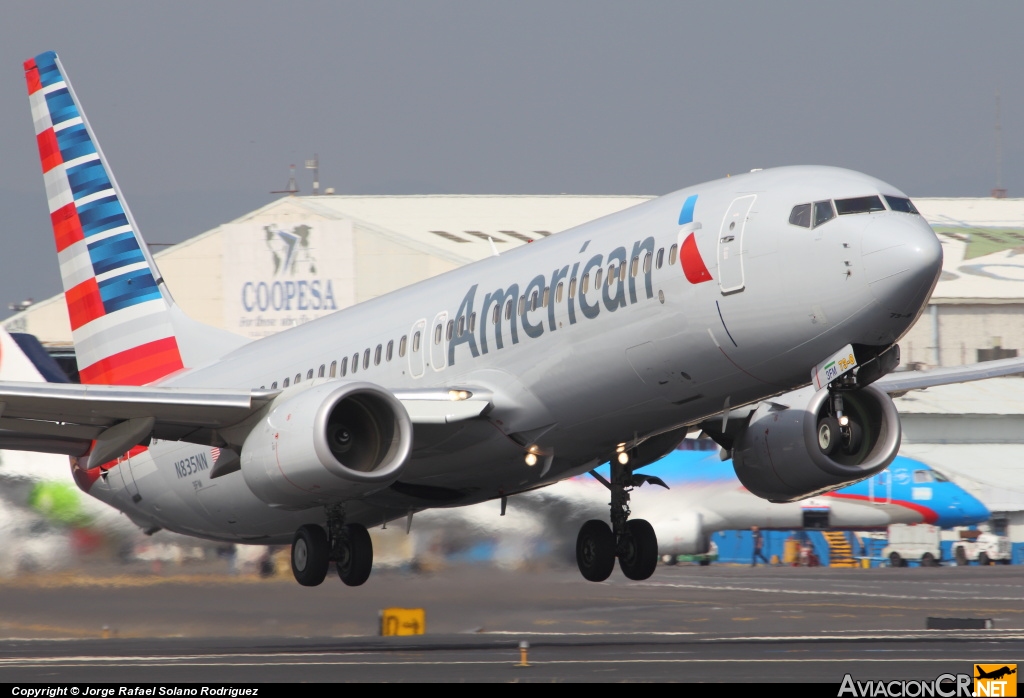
320, 374
286, 383
823, 212
922, 476
522, 305
547, 293
376, 355
472, 322
508, 309
344, 366
451, 328
647, 263
334, 369
437, 334
355, 363
898, 203
273, 386
391, 350
622, 268
586, 283
462, 325
661, 257
533, 301
635, 266
495, 314
309, 374
366, 358
861, 204
612, 277
401, 346
416, 341
597, 278
558, 291
672, 255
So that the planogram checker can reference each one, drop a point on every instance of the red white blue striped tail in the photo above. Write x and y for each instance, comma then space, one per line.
120, 312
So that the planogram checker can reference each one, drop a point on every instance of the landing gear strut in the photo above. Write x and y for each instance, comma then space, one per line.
348, 545
633, 542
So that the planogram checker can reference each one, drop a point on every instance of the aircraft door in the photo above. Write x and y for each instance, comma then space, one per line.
730, 244
418, 338
880, 488
439, 342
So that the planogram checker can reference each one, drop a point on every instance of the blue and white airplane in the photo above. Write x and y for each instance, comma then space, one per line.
707, 497
762, 309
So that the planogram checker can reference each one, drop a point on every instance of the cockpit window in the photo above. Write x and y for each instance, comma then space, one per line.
823, 212
921, 476
862, 204
898, 203
801, 215
939, 477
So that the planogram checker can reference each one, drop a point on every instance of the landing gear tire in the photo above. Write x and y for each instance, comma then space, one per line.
355, 555
310, 555
828, 435
638, 550
595, 551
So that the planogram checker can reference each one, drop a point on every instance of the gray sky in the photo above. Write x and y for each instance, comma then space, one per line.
201, 106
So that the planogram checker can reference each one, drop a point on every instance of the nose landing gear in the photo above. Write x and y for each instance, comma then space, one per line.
348, 545
633, 542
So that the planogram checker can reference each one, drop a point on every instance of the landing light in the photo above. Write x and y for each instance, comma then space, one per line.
623, 458
456, 395
531, 459
843, 421
620, 448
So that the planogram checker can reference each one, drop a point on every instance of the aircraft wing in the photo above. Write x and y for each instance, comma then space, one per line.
69, 418
902, 381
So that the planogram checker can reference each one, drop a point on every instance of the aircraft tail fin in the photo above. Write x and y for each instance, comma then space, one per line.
124, 322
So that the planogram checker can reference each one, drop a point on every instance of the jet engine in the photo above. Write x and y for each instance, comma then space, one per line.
683, 535
332, 442
805, 443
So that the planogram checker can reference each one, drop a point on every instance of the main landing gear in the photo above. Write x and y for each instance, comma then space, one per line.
633, 542
348, 545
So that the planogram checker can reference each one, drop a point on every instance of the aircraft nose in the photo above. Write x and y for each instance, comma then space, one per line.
902, 259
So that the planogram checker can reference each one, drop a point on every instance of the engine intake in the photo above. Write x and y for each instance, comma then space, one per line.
331, 442
793, 447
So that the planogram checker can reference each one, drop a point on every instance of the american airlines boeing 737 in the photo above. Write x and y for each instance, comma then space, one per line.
760, 309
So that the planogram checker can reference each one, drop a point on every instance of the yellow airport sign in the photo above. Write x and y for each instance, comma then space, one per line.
403, 621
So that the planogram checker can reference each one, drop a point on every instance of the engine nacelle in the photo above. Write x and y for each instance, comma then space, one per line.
332, 442
782, 457
683, 535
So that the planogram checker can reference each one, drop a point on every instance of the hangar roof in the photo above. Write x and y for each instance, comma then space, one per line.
456, 226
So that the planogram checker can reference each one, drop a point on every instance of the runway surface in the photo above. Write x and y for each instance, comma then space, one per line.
721, 623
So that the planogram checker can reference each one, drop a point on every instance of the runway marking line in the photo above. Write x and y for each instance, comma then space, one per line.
509, 662
825, 592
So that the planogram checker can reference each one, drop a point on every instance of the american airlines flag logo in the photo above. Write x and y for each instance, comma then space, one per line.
214, 454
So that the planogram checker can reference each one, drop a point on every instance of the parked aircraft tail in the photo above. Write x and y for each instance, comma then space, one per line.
125, 326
